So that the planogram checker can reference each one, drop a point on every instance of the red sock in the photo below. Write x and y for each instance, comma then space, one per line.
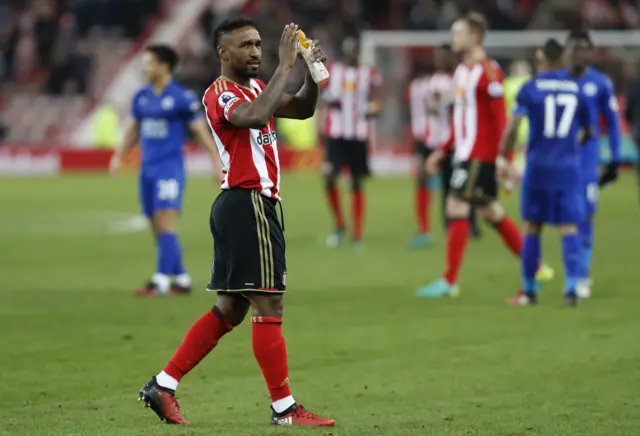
201, 338
270, 351
357, 203
510, 235
457, 236
423, 198
333, 194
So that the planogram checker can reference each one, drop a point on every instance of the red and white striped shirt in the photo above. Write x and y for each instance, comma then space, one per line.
249, 156
351, 88
438, 127
479, 115
417, 104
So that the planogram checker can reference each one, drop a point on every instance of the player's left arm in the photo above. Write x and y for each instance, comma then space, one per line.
608, 105
303, 104
510, 135
374, 107
199, 127
498, 105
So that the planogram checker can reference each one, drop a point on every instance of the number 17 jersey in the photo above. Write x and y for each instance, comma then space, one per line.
552, 187
557, 111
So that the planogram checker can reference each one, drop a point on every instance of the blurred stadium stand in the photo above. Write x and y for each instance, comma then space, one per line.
59, 57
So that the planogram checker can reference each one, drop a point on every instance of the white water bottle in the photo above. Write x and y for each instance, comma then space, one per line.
318, 71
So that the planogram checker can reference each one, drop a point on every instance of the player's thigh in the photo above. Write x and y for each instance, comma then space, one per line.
219, 267
569, 207
357, 156
534, 205
456, 207
334, 155
253, 240
422, 153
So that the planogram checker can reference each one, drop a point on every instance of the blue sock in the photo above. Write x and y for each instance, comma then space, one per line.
530, 259
179, 267
586, 247
168, 253
571, 257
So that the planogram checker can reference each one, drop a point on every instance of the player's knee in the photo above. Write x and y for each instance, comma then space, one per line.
233, 307
492, 213
267, 304
422, 180
531, 228
568, 229
164, 221
456, 208
331, 180
356, 183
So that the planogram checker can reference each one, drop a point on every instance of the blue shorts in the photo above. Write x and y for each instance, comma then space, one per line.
552, 206
161, 191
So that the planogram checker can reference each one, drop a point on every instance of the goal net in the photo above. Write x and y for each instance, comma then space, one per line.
398, 54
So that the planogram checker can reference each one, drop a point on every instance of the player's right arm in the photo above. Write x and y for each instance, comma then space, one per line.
256, 114
129, 140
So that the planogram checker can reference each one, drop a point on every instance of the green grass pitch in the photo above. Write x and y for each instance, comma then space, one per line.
76, 345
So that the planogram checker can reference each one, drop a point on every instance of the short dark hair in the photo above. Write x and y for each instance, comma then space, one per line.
228, 25
580, 35
445, 47
552, 50
477, 23
164, 54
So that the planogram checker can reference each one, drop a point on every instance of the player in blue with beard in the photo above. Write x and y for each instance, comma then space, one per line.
162, 114
552, 182
601, 99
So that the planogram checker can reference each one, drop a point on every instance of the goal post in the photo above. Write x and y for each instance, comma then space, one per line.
397, 53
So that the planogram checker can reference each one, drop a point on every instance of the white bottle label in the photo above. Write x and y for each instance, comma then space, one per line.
318, 71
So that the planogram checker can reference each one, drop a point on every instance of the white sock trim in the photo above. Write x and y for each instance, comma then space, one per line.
283, 404
166, 381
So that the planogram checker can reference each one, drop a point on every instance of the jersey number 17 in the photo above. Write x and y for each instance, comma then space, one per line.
568, 104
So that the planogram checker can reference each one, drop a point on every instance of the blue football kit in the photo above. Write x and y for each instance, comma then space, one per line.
600, 97
164, 119
164, 124
552, 188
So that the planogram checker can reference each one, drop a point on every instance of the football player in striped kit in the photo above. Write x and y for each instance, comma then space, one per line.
352, 98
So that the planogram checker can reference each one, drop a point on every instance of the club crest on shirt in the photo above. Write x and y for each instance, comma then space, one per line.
167, 102
590, 89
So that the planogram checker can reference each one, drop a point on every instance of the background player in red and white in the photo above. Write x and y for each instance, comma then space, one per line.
249, 266
352, 98
431, 98
479, 119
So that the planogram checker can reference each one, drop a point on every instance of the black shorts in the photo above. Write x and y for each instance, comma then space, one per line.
248, 243
474, 181
347, 152
422, 151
